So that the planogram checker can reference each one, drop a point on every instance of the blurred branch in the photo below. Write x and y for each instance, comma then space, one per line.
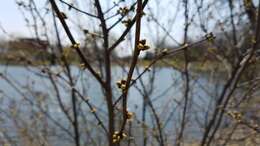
77, 9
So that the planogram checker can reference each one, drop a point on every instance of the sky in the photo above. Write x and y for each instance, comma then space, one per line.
11, 19
13, 22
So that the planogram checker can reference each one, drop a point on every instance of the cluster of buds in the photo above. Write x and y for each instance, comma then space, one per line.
210, 37
147, 67
82, 66
142, 46
165, 51
75, 46
185, 45
127, 22
117, 136
93, 110
91, 34
123, 11
121, 84
236, 115
129, 115
63, 15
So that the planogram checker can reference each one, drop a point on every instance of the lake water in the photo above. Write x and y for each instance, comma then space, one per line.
167, 94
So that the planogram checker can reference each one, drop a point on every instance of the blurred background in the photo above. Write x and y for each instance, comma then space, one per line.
77, 72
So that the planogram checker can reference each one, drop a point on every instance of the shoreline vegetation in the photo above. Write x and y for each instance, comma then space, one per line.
34, 52
175, 63
43, 58
200, 62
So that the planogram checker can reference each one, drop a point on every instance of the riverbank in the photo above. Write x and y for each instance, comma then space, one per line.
177, 64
